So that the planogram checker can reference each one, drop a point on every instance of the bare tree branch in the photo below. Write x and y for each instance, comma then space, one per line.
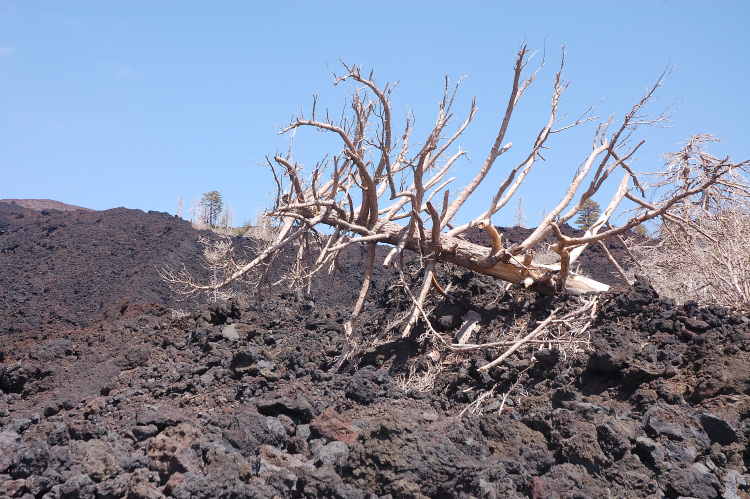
378, 187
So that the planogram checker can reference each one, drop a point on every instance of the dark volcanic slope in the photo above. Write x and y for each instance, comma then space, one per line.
100, 398
74, 265
233, 403
77, 264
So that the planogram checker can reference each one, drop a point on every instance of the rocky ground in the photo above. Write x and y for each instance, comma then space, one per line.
118, 398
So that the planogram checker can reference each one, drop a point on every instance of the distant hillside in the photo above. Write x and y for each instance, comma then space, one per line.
76, 264
44, 204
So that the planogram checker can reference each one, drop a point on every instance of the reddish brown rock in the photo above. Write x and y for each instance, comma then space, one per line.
333, 426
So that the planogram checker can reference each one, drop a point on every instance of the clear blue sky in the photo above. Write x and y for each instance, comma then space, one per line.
135, 103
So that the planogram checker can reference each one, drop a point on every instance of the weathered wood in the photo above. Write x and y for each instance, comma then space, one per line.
382, 185
482, 260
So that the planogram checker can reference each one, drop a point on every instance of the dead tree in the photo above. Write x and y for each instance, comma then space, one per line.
702, 247
383, 188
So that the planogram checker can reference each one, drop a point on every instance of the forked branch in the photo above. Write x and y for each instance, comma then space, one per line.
378, 188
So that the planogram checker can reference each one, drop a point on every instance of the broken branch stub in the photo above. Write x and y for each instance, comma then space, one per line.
376, 189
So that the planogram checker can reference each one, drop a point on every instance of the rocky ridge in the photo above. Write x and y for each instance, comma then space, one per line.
236, 400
